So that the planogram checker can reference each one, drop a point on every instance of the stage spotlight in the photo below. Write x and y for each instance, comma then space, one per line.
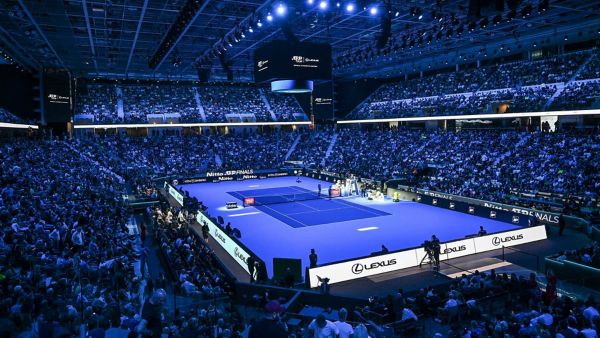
373, 10
420, 16
337, 5
243, 35
250, 30
310, 2
350, 8
323, 4
269, 17
281, 9
259, 24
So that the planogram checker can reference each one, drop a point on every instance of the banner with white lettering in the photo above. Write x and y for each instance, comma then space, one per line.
374, 265
233, 249
363, 267
510, 238
176, 195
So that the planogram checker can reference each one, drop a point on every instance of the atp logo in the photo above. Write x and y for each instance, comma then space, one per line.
298, 59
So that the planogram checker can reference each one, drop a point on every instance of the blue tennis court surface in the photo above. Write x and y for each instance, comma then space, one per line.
307, 212
339, 229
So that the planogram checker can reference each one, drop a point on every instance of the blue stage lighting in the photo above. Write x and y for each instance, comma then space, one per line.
269, 17
350, 8
323, 4
373, 10
281, 10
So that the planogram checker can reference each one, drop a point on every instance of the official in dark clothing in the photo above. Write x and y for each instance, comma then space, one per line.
561, 224
319, 187
312, 258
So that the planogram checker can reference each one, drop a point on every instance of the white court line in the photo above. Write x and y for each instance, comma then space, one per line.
244, 214
367, 229
284, 215
254, 186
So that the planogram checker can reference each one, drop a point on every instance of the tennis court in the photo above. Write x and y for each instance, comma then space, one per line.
340, 229
310, 209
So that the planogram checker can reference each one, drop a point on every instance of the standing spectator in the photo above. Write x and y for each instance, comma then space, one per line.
322, 328
152, 312
345, 329
561, 224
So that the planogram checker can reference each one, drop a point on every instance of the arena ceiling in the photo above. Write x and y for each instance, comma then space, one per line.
117, 38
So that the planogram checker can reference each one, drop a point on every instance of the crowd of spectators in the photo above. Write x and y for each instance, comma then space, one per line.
516, 100
99, 101
219, 101
487, 304
284, 106
554, 69
141, 100
479, 164
578, 95
592, 69
524, 86
463, 81
66, 253
589, 255
8, 117
191, 261
256, 151
312, 148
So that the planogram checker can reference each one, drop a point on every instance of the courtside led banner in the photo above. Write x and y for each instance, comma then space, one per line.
239, 254
176, 195
374, 265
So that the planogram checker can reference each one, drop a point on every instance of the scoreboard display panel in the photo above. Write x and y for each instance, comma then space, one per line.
279, 60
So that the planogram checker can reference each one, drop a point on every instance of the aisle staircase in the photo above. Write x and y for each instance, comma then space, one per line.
218, 161
330, 148
199, 104
120, 110
293, 147
559, 89
263, 97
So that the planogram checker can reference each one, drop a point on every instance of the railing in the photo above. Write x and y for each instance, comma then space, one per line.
537, 257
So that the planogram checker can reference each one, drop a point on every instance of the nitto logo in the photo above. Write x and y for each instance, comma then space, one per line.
262, 63
358, 268
499, 240
455, 249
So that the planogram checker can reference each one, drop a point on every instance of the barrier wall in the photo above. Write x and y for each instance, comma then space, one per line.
543, 217
175, 194
235, 175
374, 265
236, 250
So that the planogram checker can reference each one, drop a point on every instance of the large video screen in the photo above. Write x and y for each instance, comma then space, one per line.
323, 100
278, 60
57, 96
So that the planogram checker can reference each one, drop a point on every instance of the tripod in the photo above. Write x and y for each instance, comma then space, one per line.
428, 256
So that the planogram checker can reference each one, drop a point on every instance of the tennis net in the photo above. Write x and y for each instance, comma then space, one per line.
284, 198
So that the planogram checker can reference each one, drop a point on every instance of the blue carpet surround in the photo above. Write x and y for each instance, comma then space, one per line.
309, 212
339, 229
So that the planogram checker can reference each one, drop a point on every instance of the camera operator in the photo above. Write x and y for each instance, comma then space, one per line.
435, 248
